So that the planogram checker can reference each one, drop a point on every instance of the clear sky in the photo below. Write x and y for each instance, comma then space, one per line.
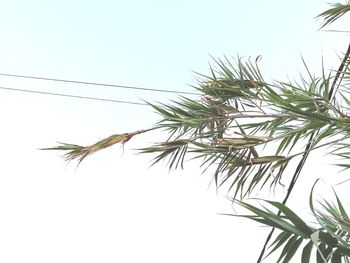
114, 208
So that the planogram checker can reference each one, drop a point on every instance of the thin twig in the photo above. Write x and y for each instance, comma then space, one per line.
340, 74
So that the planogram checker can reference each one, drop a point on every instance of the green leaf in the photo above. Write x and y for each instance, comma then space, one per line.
341, 208
294, 218
334, 13
280, 239
274, 220
336, 257
321, 253
286, 248
292, 249
305, 256
315, 237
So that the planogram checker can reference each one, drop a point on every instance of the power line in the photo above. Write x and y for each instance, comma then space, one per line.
72, 96
96, 84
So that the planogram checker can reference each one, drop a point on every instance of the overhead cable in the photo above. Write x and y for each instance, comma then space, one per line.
73, 96
96, 84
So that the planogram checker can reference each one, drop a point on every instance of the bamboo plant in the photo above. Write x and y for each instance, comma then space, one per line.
246, 130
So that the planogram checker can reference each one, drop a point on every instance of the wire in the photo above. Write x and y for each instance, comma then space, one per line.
73, 96
95, 84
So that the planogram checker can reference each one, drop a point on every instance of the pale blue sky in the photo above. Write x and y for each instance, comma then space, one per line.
114, 208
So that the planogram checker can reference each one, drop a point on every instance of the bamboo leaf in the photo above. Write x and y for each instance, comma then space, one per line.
292, 249
336, 258
334, 13
294, 218
305, 256
280, 240
291, 242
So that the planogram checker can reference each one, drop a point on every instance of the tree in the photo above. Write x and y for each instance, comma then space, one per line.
246, 131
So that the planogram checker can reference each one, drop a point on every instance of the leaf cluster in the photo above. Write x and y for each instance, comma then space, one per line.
329, 239
246, 131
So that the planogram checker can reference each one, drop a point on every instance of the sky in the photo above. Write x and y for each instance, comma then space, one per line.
114, 207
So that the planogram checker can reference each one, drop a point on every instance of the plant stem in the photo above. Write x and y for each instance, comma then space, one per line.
340, 74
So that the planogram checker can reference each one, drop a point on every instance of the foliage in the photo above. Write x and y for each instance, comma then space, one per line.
329, 238
246, 130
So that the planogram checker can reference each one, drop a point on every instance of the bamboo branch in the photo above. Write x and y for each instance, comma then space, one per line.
307, 150
81, 152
